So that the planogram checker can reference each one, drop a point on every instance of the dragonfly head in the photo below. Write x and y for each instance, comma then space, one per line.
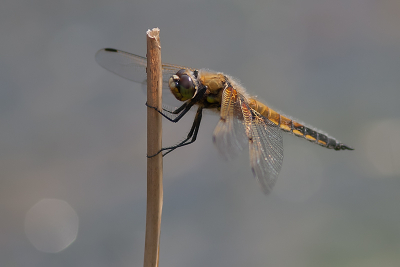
182, 85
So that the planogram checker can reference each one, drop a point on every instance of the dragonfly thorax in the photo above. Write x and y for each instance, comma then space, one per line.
182, 85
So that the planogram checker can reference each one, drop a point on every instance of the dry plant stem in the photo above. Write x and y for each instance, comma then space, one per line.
154, 164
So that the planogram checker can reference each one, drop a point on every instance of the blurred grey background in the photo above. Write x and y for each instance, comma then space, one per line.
73, 136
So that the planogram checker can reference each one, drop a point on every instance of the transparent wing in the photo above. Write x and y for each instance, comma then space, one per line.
132, 67
265, 146
229, 135
240, 124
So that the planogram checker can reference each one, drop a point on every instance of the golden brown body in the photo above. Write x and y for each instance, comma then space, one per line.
216, 83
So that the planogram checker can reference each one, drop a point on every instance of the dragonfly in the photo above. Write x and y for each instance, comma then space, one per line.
244, 120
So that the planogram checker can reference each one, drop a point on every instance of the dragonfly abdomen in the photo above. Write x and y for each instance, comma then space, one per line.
298, 129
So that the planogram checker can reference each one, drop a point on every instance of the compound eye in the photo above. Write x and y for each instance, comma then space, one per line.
186, 87
186, 81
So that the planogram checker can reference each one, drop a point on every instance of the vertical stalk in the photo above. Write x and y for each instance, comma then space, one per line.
154, 164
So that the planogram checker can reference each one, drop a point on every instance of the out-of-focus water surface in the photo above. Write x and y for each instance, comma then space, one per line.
72, 146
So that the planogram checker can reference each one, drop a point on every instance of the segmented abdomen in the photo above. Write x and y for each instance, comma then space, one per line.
298, 129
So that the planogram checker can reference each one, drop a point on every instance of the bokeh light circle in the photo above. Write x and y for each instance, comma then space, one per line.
51, 225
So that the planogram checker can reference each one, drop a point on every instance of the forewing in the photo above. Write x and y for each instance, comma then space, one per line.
229, 135
265, 146
132, 67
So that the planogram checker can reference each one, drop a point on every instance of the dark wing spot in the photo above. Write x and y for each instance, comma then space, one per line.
110, 50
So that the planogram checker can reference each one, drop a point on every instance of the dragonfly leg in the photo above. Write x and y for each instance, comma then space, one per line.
176, 111
191, 135
182, 110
